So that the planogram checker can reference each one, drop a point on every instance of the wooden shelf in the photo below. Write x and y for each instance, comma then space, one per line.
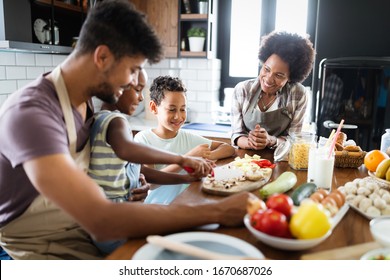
62, 5
192, 54
193, 16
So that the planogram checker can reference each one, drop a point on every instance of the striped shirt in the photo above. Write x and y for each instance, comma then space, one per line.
108, 171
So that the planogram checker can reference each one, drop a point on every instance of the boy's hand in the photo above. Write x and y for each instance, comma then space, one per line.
202, 150
140, 193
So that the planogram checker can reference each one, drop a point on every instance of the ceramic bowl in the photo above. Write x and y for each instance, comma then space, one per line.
380, 230
284, 243
377, 254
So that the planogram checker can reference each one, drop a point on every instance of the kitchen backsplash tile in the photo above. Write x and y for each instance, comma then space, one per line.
25, 59
43, 60
7, 58
2, 73
7, 86
33, 72
201, 77
15, 72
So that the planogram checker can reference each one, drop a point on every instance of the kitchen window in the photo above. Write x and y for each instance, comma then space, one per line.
241, 25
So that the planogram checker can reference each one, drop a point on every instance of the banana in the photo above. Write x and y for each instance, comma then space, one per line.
382, 168
388, 175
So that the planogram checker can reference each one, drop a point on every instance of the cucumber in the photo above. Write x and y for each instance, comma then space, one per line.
282, 184
303, 191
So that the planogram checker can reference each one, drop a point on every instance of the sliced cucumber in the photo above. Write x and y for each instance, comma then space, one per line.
303, 191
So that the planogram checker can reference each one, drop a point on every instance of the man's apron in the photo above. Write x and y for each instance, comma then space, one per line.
44, 231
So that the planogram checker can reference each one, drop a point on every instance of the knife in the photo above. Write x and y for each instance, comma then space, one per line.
222, 173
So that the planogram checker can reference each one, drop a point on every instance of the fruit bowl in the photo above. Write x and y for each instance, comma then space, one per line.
284, 243
382, 182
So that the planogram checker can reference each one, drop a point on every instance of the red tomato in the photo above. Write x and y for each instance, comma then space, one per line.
281, 202
271, 222
264, 163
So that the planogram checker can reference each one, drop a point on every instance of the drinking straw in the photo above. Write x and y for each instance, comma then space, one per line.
330, 138
335, 137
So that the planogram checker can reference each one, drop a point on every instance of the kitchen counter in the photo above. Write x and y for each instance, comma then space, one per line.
204, 129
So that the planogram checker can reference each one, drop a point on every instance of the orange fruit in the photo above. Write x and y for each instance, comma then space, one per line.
373, 158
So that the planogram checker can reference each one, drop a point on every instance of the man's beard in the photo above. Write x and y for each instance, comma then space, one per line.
104, 92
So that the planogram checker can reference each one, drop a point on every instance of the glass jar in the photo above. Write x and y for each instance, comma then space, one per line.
385, 142
301, 142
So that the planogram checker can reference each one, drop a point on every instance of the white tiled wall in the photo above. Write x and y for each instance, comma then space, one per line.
19, 68
201, 77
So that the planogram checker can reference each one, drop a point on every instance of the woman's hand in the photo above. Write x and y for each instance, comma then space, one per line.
258, 138
140, 193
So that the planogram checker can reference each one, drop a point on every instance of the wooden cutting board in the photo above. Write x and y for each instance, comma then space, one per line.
344, 253
239, 186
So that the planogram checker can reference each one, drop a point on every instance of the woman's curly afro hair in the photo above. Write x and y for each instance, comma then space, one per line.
295, 50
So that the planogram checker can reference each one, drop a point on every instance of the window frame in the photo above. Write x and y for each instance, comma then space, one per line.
267, 25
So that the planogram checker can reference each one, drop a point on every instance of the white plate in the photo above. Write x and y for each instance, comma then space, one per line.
39, 24
370, 255
216, 242
365, 214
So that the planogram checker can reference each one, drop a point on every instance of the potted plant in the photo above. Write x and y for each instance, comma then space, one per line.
196, 37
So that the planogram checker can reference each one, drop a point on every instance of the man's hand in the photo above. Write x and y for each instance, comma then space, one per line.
234, 209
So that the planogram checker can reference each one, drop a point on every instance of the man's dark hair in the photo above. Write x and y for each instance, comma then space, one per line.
118, 25
165, 83
295, 50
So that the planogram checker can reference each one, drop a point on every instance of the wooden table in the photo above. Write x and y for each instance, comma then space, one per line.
352, 230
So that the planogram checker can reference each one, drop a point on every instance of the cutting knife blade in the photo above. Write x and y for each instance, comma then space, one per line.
224, 173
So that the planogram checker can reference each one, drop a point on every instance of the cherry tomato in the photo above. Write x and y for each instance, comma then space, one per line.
264, 163
282, 203
271, 222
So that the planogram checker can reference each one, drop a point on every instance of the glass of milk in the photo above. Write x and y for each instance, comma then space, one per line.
321, 165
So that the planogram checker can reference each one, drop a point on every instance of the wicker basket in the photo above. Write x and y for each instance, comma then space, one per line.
347, 159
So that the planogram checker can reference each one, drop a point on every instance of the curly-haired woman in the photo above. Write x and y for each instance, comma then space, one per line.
266, 108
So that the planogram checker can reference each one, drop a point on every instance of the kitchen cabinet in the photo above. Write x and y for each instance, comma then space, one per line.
171, 22
61, 16
208, 21
40, 25
163, 16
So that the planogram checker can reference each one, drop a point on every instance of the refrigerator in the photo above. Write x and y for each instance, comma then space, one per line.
357, 90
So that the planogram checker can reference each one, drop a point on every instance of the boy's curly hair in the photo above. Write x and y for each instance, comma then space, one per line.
165, 83
295, 50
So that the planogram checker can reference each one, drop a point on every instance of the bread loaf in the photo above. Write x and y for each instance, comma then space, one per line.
338, 147
352, 148
342, 137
